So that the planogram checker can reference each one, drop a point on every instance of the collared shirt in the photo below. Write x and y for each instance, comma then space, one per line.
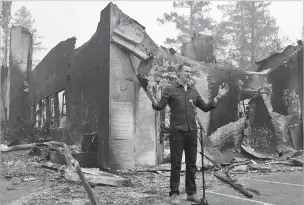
182, 114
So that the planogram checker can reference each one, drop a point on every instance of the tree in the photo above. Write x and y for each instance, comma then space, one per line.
197, 21
6, 17
251, 29
23, 17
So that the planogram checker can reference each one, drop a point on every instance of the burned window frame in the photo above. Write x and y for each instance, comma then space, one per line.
54, 112
37, 115
43, 113
61, 95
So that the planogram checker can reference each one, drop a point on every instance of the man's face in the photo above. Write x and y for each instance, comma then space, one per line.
185, 73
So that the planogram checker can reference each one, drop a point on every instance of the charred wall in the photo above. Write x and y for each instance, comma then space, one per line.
19, 67
83, 75
286, 81
89, 99
279, 83
299, 74
132, 119
4, 92
49, 76
48, 79
227, 109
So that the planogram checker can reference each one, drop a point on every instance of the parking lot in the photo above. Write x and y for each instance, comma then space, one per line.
275, 189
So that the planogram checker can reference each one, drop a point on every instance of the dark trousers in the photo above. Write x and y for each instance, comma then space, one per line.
179, 141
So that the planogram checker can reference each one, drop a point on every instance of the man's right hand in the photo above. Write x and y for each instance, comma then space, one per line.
149, 90
150, 95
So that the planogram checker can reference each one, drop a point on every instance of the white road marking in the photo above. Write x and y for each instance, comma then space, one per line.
274, 182
259, 202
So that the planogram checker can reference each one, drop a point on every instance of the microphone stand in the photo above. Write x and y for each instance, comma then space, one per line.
200, 127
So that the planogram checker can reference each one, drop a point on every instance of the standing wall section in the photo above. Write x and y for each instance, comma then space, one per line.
20, 66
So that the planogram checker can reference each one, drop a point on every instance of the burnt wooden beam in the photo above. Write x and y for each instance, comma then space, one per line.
71, 161
236, 186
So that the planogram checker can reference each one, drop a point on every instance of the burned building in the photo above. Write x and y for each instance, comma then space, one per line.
92, 89
78, 91
285, 77
271, 99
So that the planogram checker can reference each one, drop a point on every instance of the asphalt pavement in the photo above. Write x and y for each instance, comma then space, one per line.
281, 188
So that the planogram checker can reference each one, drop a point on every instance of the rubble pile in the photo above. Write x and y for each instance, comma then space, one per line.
228, 136
243, 165
260, 134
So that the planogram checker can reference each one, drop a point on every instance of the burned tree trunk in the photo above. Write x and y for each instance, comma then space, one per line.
261, 133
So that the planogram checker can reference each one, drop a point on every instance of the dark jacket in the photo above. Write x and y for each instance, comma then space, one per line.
182, 114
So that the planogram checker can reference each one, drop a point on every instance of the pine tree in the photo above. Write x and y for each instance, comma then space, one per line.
6, 17
221, 44
251, 29
196, 20
23, 17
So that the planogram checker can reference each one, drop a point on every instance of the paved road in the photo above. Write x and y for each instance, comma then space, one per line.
276, 189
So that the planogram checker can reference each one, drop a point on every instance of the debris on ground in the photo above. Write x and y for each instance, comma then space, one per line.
260, 168
297, 161
217, 157
240, 168
148, 184
97, 177
250, 151
286, 150
233, 184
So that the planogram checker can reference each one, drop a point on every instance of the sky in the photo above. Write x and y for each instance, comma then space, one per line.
59, 20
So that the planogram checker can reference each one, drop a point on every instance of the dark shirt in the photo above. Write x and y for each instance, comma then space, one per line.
182, 114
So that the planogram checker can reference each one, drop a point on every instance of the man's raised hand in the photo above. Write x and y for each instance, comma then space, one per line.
223, 91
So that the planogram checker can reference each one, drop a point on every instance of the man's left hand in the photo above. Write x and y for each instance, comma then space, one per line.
223, 91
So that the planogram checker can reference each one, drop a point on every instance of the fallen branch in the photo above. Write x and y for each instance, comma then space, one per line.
210, 159
253, 191
236, 186
291, 162
61, 147
20, 147
71, 161
259, 168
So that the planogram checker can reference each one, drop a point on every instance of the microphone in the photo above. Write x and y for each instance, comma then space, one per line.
191, 102
198, 120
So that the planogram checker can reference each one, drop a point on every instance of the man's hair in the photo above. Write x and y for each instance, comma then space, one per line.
181, 66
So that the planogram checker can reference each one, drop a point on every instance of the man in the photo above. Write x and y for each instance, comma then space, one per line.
183, 128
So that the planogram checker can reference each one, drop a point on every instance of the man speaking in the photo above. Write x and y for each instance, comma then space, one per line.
183, 129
